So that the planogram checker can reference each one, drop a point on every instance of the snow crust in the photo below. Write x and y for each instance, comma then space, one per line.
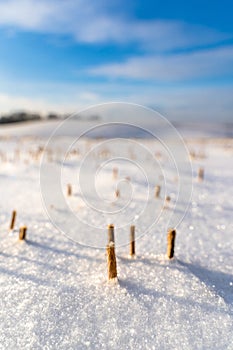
54, 292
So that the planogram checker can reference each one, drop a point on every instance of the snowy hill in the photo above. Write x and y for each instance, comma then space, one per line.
53, 286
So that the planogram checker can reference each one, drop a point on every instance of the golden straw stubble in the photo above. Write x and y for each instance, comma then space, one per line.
111, 237
115, 173
117, 193
111, 261
13, 217
132, 241
157, 191
22, 233
69, 190
201, 174
171, 236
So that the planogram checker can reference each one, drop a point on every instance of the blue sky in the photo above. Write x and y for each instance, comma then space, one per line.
174, 56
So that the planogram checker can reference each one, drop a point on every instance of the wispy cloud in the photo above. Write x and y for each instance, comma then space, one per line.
193, 103
11, 102
89, 22
164, 51
175, 103
79, 99
174, 67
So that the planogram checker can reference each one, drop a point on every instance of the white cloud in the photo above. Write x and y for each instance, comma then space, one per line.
40, 104
174, 67
91, 22
190, 103
11, 103
88, 21
175, 103
25, 14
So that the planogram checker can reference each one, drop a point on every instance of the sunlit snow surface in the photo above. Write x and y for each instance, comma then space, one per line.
54, 293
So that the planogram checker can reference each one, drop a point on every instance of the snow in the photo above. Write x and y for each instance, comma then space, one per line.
54, 289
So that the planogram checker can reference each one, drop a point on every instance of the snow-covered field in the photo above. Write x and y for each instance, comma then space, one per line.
54, 291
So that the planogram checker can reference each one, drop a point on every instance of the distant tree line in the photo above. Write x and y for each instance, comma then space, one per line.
17, 117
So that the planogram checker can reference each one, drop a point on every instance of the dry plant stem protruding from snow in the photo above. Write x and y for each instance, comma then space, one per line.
171, 236
201, 174
13, 217
117, 193
22, 233
111, 237
157, 191
115, 173
69, 190
167, 202
111, 260
132, 241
